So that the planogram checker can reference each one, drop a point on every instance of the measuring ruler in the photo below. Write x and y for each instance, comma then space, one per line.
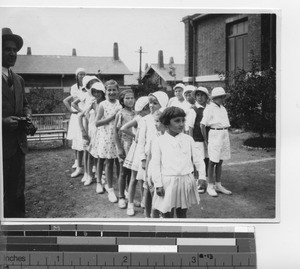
126, 246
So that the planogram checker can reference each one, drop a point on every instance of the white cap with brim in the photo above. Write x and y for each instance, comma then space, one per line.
161, 97
218, 92
179, 85
98, 86
87, 79
78, 70
141, 103
189, 88
200, 89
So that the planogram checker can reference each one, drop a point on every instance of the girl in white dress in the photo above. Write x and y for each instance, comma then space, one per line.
173, 156
80, 104
157, 100
73, 127
105, 143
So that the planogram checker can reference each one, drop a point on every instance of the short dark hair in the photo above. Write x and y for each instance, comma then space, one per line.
171, 113
122, 95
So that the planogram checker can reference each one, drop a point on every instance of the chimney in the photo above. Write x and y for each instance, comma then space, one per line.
28, 50
116, 52
146, 66
160, 59
74, 52
171, 61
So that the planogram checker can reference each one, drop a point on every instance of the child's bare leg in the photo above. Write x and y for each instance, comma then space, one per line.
100, 165
206, 161
99, 171
80, 157
211, 186
90, 163
109, 172
219, 187
211, 166
219, 171
132, 186
148, 203
109, 167
117, 166
89, 169
131, 193
122, 181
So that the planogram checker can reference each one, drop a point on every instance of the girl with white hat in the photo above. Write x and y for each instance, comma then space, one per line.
157, 100
73, 128
97, 94
133, 157
80, 104
216, 118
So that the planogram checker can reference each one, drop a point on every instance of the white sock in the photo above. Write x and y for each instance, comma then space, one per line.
218, 184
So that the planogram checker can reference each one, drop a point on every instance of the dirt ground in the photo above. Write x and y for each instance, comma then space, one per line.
52, 193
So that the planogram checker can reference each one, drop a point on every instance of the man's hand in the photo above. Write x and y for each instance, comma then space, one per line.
160, 191
11, 122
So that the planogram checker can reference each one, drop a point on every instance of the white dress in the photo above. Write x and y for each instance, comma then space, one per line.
73, 127
172, 168
105, 143
78, 143
133, 156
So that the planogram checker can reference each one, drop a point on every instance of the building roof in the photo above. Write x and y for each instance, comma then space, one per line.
166, 72
132, 79
48, 64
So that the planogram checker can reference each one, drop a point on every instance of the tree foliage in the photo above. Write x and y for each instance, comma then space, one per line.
252, 101
46, 100
145, 89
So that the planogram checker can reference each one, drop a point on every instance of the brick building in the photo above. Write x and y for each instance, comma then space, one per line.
224, 42
58, 72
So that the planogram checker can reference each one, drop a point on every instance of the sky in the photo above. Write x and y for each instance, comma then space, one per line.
92, 31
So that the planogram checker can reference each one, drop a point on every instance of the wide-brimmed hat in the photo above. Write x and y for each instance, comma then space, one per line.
218, 92
200, 89
7, 34
179, 85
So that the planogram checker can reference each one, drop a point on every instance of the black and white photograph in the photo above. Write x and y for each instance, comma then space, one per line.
139, 114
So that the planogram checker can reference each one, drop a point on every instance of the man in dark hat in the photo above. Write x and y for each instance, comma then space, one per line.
15, 109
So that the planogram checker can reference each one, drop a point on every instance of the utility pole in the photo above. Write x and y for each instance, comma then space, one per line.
140, 51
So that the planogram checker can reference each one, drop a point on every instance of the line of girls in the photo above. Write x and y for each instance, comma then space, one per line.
146, 141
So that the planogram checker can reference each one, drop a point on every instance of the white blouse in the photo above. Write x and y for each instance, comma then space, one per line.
173, 156
146, 132
215, 116
185, 105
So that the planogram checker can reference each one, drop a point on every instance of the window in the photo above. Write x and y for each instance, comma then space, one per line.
237, 51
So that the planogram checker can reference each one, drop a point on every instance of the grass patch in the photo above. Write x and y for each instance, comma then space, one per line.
260, 142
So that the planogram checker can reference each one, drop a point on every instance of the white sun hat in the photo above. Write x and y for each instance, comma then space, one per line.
217, 92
